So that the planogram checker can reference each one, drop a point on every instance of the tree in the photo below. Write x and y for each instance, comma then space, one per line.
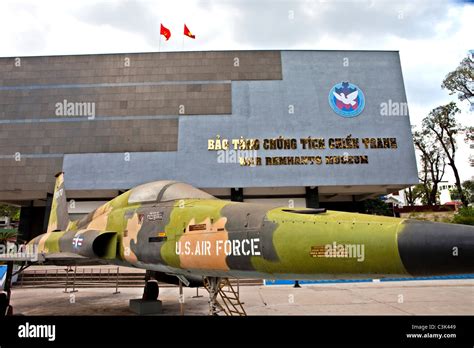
468, 186
441, 123
469, 139
410, 198
376, 207
461, 80
9, 210
433, 165
468, 189
412, 194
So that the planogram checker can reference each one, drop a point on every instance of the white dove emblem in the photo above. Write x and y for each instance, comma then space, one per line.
350, 99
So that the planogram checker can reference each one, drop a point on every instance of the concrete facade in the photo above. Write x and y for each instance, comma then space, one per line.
137, 100
154, 117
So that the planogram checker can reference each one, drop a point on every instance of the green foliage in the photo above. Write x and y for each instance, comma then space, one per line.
437, 139
10, 211
461, 80
433, 165
7, 234
465, 216
468, 190
468, 186
412, 194
376, 207
419, 192
441, 124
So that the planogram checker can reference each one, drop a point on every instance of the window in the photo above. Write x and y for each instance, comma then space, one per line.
181, 190
164, 191
148, 192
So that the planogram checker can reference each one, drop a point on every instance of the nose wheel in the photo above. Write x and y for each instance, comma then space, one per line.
212, 284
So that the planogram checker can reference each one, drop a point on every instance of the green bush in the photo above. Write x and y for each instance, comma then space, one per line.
465, 216
7, 234
375, 207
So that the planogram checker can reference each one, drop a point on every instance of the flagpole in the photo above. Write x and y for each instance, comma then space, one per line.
159, 42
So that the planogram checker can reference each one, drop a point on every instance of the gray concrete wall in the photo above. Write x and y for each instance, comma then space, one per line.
137, 99
260, 110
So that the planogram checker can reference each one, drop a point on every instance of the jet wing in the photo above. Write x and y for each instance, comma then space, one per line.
61, 259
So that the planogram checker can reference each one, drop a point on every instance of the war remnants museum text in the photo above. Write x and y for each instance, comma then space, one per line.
244, 151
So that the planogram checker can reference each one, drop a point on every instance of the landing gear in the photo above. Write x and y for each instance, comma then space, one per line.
212, 284
149, 303
151, 290
223, 289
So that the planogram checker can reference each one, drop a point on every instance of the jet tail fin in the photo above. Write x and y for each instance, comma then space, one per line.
58, 217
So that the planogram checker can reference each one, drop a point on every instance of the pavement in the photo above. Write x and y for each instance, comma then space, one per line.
428, 297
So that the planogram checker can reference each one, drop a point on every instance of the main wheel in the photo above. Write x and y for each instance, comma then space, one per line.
151, 290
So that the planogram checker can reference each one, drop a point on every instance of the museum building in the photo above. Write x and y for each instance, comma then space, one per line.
298, 128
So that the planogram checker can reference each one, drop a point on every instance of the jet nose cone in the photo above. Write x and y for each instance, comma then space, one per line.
429, 248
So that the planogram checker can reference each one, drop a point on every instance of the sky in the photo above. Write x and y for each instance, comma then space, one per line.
431, 36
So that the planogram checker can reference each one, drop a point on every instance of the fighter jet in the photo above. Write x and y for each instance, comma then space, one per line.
180, 233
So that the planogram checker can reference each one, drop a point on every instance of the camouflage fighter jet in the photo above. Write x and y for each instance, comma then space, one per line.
180, 233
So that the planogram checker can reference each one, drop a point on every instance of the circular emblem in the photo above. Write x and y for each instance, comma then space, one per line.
346, 99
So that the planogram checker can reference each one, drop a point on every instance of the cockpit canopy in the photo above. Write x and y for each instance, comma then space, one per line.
165, 191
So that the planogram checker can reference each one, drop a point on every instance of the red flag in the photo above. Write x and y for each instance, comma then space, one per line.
188, 33
165, 32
